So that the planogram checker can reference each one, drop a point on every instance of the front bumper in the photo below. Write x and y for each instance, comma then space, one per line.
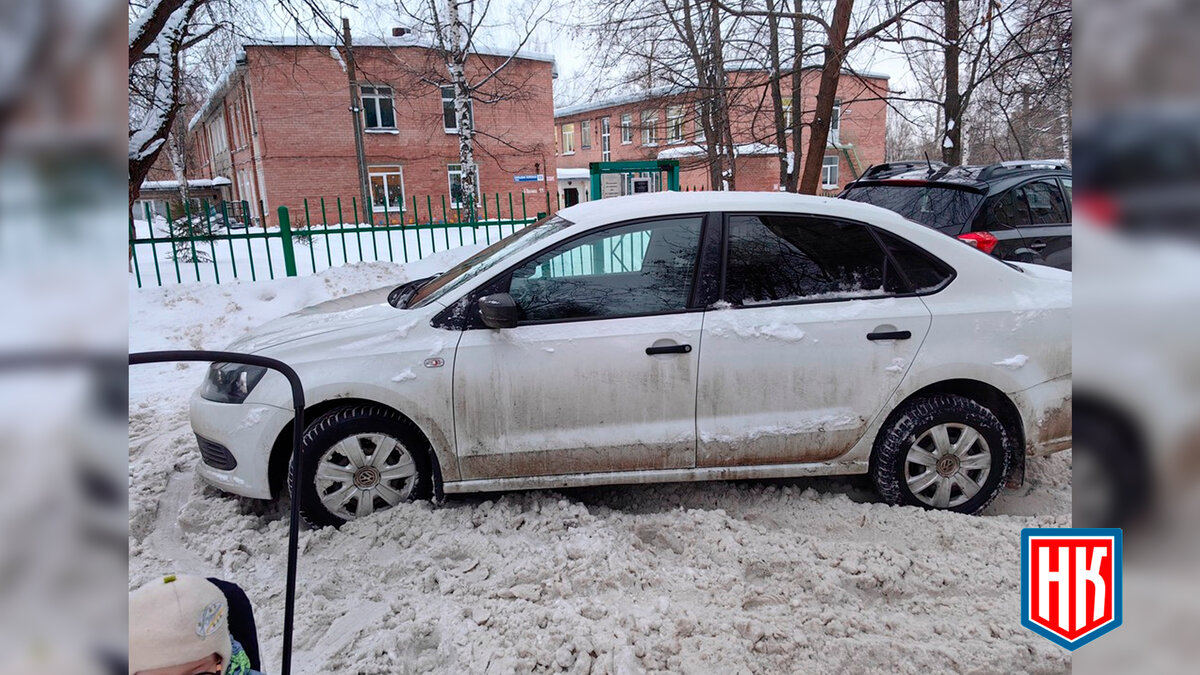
248, 432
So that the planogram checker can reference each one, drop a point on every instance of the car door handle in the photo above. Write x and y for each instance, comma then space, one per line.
669, 349
1038, 245
890, 335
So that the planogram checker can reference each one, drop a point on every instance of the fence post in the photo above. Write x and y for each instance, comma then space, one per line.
285, 233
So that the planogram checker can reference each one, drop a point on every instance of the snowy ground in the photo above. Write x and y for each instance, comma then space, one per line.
744, 577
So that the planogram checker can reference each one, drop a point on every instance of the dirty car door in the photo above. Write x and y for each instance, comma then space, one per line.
813, 335
572, 388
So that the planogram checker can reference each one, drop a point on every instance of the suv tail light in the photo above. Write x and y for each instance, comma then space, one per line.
984, 241
1100, 209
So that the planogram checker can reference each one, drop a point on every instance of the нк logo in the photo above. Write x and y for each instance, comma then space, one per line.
1071, 583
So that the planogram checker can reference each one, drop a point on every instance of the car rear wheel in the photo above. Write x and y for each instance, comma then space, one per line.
357, 460
943, 452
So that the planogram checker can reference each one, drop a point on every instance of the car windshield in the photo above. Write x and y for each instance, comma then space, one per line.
505, 249
940, 207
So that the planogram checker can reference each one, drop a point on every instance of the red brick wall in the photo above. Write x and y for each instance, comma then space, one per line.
304, 132
863, 124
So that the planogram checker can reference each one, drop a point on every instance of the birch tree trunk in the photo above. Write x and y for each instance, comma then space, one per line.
458, 49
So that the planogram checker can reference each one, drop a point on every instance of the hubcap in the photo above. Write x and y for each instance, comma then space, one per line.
947, 465
364, 473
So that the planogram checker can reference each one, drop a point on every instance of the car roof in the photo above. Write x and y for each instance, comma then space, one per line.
616, 209
980, 178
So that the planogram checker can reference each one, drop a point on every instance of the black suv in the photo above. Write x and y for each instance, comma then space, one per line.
1013, 210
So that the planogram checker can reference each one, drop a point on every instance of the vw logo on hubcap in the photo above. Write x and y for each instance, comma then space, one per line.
366, 477
947, 465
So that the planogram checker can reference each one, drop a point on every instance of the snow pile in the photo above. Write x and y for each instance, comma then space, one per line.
806, 575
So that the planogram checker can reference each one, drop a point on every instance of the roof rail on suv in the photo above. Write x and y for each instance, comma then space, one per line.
1001, 168
892, 168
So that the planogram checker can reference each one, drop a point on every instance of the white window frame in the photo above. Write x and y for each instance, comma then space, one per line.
829, 171
216, 130
700, 136
626, 128
675, 124
449, 98
835, 122
386, 171
568, 139
372, 99
456, 170
649, 128
605, 140
788, 111
585, 135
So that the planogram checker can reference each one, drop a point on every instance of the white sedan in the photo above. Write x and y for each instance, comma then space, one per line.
657, 338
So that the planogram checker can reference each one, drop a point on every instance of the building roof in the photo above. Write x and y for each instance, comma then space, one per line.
660, 92
227, 78
198, 183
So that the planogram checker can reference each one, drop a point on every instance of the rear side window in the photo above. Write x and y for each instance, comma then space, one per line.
1046, 204
1037, 203
925, 272
785, 258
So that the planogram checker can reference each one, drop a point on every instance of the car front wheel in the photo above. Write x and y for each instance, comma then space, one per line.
357, 460
943, 452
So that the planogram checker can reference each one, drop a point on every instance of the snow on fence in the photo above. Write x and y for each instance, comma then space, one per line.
221, 242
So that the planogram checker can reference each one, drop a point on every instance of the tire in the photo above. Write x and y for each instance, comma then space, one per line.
356, 478
1111, 479
935, 424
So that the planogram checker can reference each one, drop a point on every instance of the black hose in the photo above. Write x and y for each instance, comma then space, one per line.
289, 607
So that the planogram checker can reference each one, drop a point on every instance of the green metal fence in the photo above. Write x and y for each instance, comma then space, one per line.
220, 242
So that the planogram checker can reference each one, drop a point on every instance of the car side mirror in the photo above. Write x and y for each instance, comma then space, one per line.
499, 310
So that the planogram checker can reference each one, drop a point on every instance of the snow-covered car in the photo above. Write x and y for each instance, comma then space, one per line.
658, 338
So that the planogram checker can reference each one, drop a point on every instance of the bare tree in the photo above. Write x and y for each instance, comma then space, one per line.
458, 28
873, 19
993, 58
160, 32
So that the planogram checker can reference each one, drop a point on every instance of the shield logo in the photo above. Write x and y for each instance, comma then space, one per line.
1071, 583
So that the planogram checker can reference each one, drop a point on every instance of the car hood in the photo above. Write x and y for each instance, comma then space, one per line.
334, 315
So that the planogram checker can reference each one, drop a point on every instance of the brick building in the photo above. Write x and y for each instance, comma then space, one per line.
277, 124
664, 123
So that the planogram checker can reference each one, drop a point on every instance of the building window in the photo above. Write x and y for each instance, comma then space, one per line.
454, 177
675, 124
699, 126
585, 134
787, 112
650, 127
387, 187
626, 129
449, 118
377, 107
829, 171
568, 139
835, 122
216, 130
605, 141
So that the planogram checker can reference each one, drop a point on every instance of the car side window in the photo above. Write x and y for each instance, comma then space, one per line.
925, 272
1066, 185
630, 270
1045, 202
786, 258
1007, 210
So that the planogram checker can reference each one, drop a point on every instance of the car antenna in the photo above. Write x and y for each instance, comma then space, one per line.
927, 162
